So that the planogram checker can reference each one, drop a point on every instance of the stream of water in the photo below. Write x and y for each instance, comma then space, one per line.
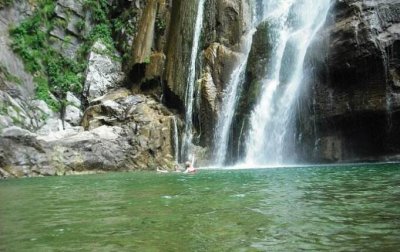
292, 26
190, 88
229, 102
176, 139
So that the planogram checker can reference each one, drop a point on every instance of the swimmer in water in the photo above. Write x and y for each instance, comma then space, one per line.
189, 168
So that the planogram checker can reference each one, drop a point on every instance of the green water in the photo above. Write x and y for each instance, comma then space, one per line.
345, 208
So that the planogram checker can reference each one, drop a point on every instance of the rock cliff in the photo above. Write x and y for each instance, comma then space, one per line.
119, 106
47, 130
353, 95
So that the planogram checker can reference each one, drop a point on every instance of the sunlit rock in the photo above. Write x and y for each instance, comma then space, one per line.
103, 72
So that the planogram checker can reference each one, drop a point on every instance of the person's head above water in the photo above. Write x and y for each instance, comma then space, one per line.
187, 164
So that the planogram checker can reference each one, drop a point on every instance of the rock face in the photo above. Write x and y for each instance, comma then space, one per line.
67, 38
225, 22
124, 132
103, 72
73, 113
11, 65
145, 37
354, 99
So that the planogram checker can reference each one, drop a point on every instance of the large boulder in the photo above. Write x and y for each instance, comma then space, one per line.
73, 113
123, 132
103, 72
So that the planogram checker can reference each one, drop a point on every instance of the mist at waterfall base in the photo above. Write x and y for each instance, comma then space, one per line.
269, 138
342, 208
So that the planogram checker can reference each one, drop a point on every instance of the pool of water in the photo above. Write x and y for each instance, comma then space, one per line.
341, 208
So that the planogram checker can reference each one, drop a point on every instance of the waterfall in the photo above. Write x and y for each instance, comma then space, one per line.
176, 139
188, 134
292, 26
229, 102
231, 94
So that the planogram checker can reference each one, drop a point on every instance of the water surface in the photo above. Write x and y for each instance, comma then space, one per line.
341, 208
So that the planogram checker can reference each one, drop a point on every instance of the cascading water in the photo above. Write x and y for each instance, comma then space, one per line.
292, 26
229, 102
188, 133
176, 139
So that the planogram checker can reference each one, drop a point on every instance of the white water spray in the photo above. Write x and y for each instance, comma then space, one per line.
188, 134
292, 26
229, 102
176, 139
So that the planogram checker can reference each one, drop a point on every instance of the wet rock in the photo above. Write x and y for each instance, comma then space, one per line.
208, 107
155, 68
253, 80
141, 48
4, 174
353, 98
178, 51
226, 21
220, 62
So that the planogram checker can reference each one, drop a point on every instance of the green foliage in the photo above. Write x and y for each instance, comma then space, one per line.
43, 93
4, 3
3, 108
99, 10
80, 25
100, 32
28, 40
60, 23
56, 74
63, 74
160, 25
123, 24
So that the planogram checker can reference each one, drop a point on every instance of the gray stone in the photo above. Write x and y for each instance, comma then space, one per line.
126, 132
103, 73
18, 110
41, 108
67, 45
51, 125
73, 100
74, 5
15, 131
5, 121
73, 115
4, 174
